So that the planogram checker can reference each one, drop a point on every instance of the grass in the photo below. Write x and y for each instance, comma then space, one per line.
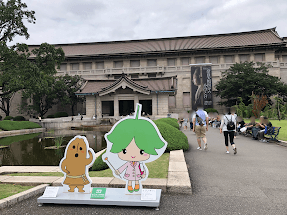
8, 125
157, 169
5, 141
7, 190
276, 123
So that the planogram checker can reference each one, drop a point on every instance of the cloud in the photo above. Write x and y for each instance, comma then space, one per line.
70, 21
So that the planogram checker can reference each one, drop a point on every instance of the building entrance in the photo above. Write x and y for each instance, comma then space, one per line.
146, 107
126, 107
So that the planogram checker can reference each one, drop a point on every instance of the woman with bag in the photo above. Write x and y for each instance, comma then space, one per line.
228, 126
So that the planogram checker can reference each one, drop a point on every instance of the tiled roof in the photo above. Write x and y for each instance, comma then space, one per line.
152, 84
217, 41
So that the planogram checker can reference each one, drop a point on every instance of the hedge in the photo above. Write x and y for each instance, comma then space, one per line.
60, 114
99, 164
8, 118
175, 138
50, 116
8, 125
19, 118
211, 110
171, 121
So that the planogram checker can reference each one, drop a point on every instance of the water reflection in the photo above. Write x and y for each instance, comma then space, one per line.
28, 150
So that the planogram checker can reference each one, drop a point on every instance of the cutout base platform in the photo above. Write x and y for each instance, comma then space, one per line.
114, 196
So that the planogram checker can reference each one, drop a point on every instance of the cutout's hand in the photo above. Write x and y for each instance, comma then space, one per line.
143, 175
117, 172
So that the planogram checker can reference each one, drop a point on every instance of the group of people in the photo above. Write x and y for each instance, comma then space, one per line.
228, 124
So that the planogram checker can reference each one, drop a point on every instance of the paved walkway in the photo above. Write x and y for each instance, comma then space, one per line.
252, 182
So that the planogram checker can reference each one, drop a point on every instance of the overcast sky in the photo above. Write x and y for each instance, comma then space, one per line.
77, 21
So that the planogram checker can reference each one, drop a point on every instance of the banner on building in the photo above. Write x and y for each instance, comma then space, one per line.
207, 87
196, 87
201, 87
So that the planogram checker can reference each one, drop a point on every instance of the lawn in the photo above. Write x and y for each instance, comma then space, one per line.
8, 125
276, 123
11, 189
157, 169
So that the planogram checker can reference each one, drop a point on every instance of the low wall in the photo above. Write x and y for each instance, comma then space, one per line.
20, 132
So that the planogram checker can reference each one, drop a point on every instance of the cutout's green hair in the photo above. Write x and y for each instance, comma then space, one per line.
144, 133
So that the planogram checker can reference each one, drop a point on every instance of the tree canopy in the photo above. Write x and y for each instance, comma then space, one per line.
12, 15
243, 79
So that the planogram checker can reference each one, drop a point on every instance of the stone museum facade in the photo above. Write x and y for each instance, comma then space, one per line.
157, 72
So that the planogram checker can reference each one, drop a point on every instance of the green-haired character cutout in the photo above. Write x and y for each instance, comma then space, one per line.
132, 142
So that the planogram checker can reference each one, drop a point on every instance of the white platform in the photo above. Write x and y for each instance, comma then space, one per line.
114, 196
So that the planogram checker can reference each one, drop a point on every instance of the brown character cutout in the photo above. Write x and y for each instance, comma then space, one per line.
76, 162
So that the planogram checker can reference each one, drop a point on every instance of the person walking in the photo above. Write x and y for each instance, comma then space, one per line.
200, 126
228, 126
185, 121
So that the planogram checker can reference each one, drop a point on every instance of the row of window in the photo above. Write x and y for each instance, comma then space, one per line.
170, 61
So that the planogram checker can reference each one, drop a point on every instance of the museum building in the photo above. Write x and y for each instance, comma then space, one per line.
157, 72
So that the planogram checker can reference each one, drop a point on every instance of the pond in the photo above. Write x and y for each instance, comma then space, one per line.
29, 149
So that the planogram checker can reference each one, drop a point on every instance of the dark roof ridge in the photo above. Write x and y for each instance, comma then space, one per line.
273, 30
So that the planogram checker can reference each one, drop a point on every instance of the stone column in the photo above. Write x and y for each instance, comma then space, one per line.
236, 58
116, 105
136, 100
99, 107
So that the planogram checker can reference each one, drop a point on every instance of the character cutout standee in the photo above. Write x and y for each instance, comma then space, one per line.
75, 165
132, 142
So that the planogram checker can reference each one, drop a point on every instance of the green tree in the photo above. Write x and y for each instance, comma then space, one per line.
42, 92
244, 78
12, 14
14, 62
68, 86
15, 70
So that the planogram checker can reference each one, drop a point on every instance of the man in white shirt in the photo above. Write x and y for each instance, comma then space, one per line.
200, 126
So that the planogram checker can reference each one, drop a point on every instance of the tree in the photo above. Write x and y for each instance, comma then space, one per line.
14, 64
259, 102
42, 91
15, 70
12, 14
68, 86
244, 78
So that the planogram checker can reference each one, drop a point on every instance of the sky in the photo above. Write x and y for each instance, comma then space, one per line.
80, 21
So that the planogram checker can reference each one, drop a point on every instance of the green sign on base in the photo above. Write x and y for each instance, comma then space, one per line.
98, 193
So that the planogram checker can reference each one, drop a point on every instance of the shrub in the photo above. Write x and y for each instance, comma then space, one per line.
99, 164
8, 125
176, 139
8, 118
171, 121
19, 118
61, 114
0, 117
211, 110
50, 116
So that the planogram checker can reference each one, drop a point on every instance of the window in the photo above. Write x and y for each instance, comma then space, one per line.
213, 59
151, 75
277, 57
171, 61
88, 66
284, 58
228, 58
171, 101
74, 66
186, 99
100, 65
135, 63
134, 76
118, 64
151, 62
200, 60
259, 57
63, 67
185, 61
244, 57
